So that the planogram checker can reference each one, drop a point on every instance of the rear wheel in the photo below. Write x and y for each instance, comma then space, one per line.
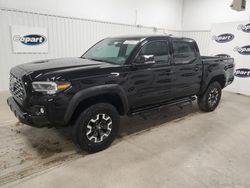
211, 98
96, 127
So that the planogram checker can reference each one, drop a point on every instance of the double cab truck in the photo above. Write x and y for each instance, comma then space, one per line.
118, 76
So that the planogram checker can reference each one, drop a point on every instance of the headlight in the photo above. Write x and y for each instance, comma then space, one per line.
50, 88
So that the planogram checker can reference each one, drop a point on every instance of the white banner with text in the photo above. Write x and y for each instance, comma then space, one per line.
29, 39
234, 39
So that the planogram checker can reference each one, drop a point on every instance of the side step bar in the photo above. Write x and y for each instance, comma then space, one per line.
138, 111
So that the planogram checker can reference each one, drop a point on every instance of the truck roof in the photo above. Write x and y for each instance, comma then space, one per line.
148, 37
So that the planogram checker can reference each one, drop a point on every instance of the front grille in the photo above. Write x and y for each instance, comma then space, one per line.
16, 87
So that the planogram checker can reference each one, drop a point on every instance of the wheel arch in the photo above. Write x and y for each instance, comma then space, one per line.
112, 94
220, 78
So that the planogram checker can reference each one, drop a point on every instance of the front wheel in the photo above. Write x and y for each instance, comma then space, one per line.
211, 98
96, 127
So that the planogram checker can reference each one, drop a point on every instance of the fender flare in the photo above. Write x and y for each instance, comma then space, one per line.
210, 78
94, 92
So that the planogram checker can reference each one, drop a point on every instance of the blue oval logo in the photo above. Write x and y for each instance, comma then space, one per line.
223, 38
33, 39
242, 73
245, 50
244, 28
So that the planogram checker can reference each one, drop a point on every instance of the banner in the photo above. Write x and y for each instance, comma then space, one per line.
29, 39
234, 39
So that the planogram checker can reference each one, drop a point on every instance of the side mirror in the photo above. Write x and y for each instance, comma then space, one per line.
145, 59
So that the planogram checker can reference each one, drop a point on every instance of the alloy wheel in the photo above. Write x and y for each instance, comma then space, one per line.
99, 128
213, 97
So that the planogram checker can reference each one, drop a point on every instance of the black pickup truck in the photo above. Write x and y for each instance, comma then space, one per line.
117, 76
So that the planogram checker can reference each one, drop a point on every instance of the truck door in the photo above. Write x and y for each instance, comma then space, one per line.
152, 82
187, 68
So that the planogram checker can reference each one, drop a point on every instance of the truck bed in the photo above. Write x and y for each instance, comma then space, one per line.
216, 63
216, 58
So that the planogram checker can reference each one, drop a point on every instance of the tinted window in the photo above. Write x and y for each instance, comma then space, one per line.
159, 49
111, 50
184, 52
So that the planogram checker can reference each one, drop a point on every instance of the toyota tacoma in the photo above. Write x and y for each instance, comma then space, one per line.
117, 76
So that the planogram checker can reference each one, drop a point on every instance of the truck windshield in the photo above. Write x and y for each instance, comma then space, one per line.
115, 51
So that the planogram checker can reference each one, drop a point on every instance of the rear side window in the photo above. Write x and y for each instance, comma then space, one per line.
157, 48
184, 52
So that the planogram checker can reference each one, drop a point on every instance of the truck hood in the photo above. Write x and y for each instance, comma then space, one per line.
60, 64
64, 67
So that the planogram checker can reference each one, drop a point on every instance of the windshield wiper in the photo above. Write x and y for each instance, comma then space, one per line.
105, 61
95, 59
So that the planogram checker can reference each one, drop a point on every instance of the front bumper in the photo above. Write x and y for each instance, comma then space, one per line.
26, 118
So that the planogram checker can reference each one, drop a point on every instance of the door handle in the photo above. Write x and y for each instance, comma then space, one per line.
196, 68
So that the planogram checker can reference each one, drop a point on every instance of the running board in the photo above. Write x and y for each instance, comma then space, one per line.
138, 111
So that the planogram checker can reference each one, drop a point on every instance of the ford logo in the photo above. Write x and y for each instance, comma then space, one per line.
244, 28
33, 39
242, 73
245, 50
227, 37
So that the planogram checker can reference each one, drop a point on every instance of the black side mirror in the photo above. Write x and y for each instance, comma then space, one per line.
145, 59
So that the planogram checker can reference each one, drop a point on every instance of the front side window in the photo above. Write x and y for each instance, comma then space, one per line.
184, 52
115, 51
159, 49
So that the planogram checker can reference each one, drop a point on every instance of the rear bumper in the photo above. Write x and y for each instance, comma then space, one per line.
26, 118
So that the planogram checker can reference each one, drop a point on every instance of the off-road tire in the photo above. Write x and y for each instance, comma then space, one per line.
211, 98
89, 120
